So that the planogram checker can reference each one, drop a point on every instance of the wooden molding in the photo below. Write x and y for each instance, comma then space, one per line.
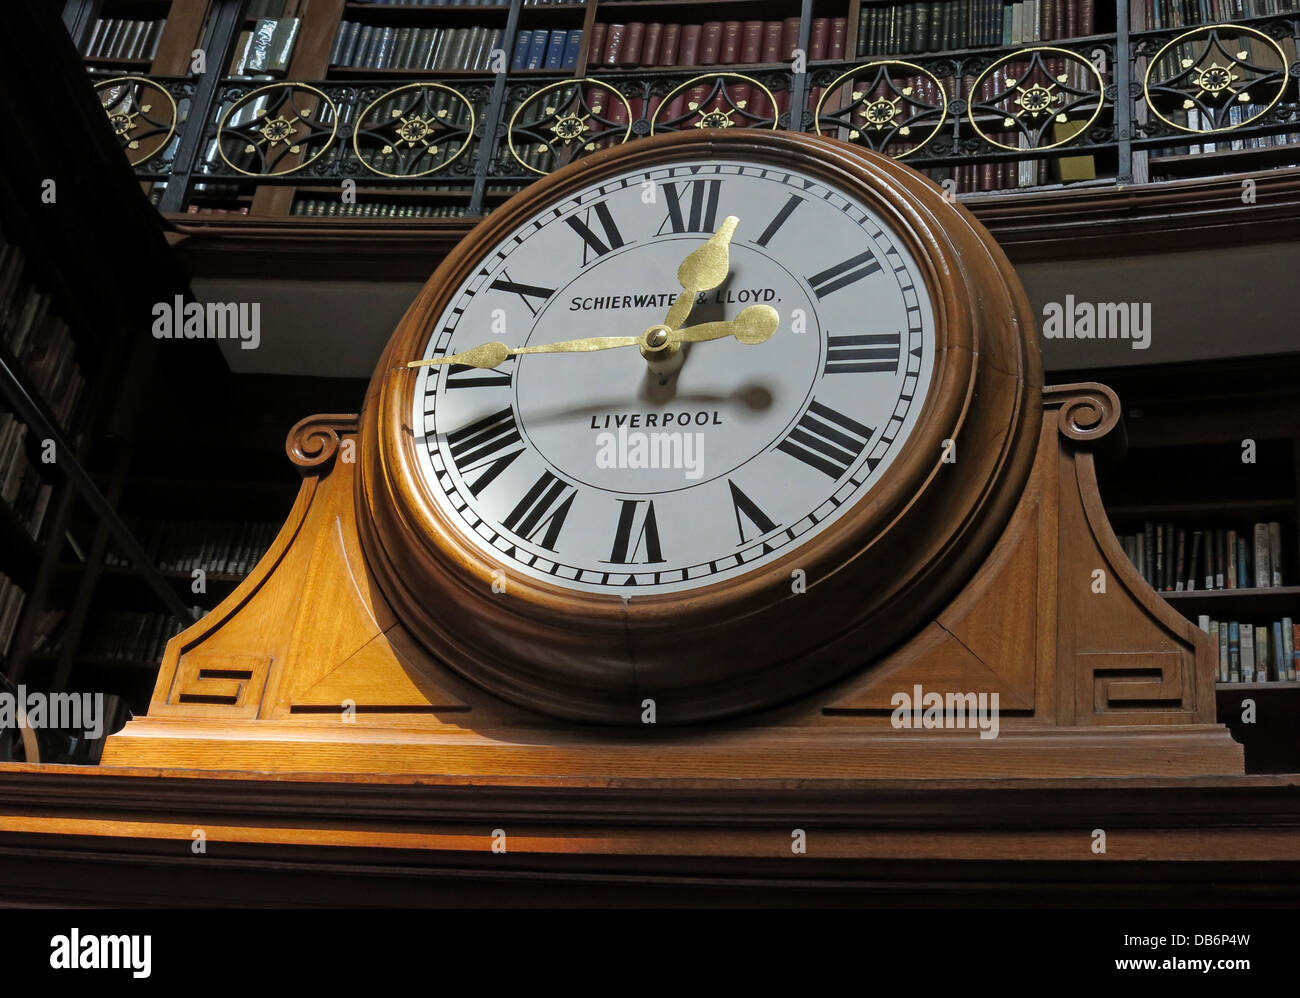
1043, 225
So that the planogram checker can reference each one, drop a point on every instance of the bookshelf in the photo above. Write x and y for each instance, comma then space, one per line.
73, 358
1186, 425
957, 87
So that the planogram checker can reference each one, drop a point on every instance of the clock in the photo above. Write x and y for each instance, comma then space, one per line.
696, 426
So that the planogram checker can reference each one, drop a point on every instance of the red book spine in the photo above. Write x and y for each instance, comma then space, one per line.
772, 41
769, 52
688, 55
596, 45
789, 38
633, 40
710, 53
613, 44
751, 51
650, 47
729, 54
751, 43
819, 42
839, 36
1087, 25
710, 43
668, 48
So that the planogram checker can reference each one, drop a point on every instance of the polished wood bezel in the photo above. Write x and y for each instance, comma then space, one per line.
750, 641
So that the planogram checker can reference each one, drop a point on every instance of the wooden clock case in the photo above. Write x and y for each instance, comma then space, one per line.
752, 642
369, 639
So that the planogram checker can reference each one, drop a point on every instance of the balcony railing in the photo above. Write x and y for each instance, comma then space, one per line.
1102, 109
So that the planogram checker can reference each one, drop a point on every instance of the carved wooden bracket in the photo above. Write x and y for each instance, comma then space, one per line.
1086, 411
313, 442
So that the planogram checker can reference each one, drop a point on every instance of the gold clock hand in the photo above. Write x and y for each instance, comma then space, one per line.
703, 270
754, 325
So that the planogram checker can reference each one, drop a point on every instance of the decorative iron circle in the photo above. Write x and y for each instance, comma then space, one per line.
1047, 97
131, 118
718, 106
412, 123
259, 134
880, 113
1213, 80
576, 114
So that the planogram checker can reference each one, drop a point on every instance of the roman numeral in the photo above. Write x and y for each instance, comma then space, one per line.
545, 505
483, 446
827, 440
863, 354
786, 211
464, 376
525, 291
743, 505
700, 215
843, 274
625, 548
592, 243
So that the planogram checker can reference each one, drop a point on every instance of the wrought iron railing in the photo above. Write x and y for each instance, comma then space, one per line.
982, 119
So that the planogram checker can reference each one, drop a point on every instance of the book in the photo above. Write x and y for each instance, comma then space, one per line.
1261, 655
1234, 652
1263, 574
1275, 552
572, 49
555, 49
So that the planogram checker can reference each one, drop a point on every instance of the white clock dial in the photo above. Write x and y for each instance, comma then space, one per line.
594, 472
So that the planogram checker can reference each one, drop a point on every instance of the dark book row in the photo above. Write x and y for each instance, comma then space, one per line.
961, 24
23, 489
1188, 13
710, 43
1248, 653
1175, 558
373, 209
37, 336
546, 49
12, 597
451, 3
129, 635
367, 46
217, 547
118, 38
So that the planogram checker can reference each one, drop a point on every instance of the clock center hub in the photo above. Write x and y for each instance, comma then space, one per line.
678, 415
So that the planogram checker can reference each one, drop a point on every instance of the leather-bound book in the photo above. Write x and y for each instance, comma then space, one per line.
629, 53
670, 45
789, 38
688, 55
654, 33
772, 42
819, 39
613, 44
596, 45
729, 51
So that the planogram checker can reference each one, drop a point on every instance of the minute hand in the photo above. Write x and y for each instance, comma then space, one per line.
754, 325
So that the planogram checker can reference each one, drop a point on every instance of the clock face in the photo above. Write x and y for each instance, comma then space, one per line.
603, 473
